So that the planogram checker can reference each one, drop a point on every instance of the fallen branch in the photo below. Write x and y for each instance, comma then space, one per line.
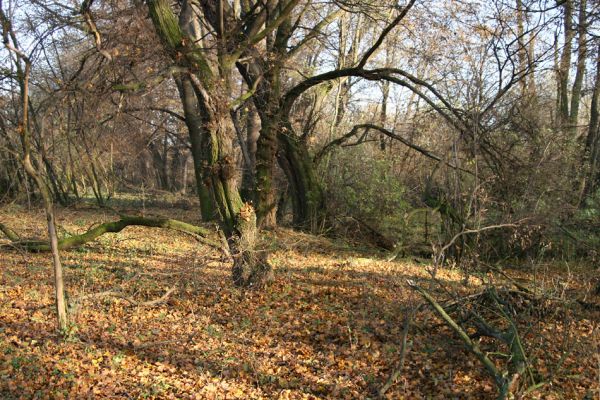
400, 366
472, 346
505, 380
379, 239
10, 234
120, 295
75, 241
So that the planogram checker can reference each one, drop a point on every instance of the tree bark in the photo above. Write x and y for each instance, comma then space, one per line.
193, 122
565, 63
249, 173
580, 71
109, 227
591, 152
204, 94
305, 191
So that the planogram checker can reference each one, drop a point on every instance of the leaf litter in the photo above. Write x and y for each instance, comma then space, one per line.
329, 326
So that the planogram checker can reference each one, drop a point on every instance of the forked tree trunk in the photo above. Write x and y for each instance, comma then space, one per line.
206, 108
238, 219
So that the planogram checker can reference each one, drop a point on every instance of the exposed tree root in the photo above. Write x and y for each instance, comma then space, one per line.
109, 227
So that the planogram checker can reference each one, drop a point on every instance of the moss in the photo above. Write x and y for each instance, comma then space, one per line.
166, 23
115, 227
182, 49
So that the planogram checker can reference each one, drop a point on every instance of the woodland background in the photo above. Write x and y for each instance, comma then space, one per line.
408, 183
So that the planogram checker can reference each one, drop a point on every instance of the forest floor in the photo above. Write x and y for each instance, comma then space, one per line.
329, 326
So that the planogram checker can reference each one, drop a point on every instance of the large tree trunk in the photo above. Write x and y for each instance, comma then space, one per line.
267, 103
204, 95
238, 219
265, 168
252, 135
305, 191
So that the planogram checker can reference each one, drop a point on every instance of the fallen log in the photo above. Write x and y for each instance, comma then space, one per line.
10, 234
199, 233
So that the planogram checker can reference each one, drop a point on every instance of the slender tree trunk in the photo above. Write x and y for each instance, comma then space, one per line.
184, 178
591, 154
565, 63
580, 72
193, 122
166, 182
23, 68
61, 306
59, 286
522, 52
252, 135
385, 91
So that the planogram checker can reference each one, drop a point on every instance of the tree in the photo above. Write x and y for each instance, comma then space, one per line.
204, 85
22, 64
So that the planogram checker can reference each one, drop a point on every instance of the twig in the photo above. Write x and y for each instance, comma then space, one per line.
121, 295
400, 366
442, 251
473, 347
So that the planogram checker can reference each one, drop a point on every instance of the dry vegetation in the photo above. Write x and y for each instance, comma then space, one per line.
329, 326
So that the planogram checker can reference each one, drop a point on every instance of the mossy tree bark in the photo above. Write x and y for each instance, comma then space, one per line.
277, 141
306, 193
75, 241
205, 96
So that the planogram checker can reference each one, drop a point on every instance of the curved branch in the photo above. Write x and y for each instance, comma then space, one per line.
390, 134
379, 74
112, 227
386, 132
